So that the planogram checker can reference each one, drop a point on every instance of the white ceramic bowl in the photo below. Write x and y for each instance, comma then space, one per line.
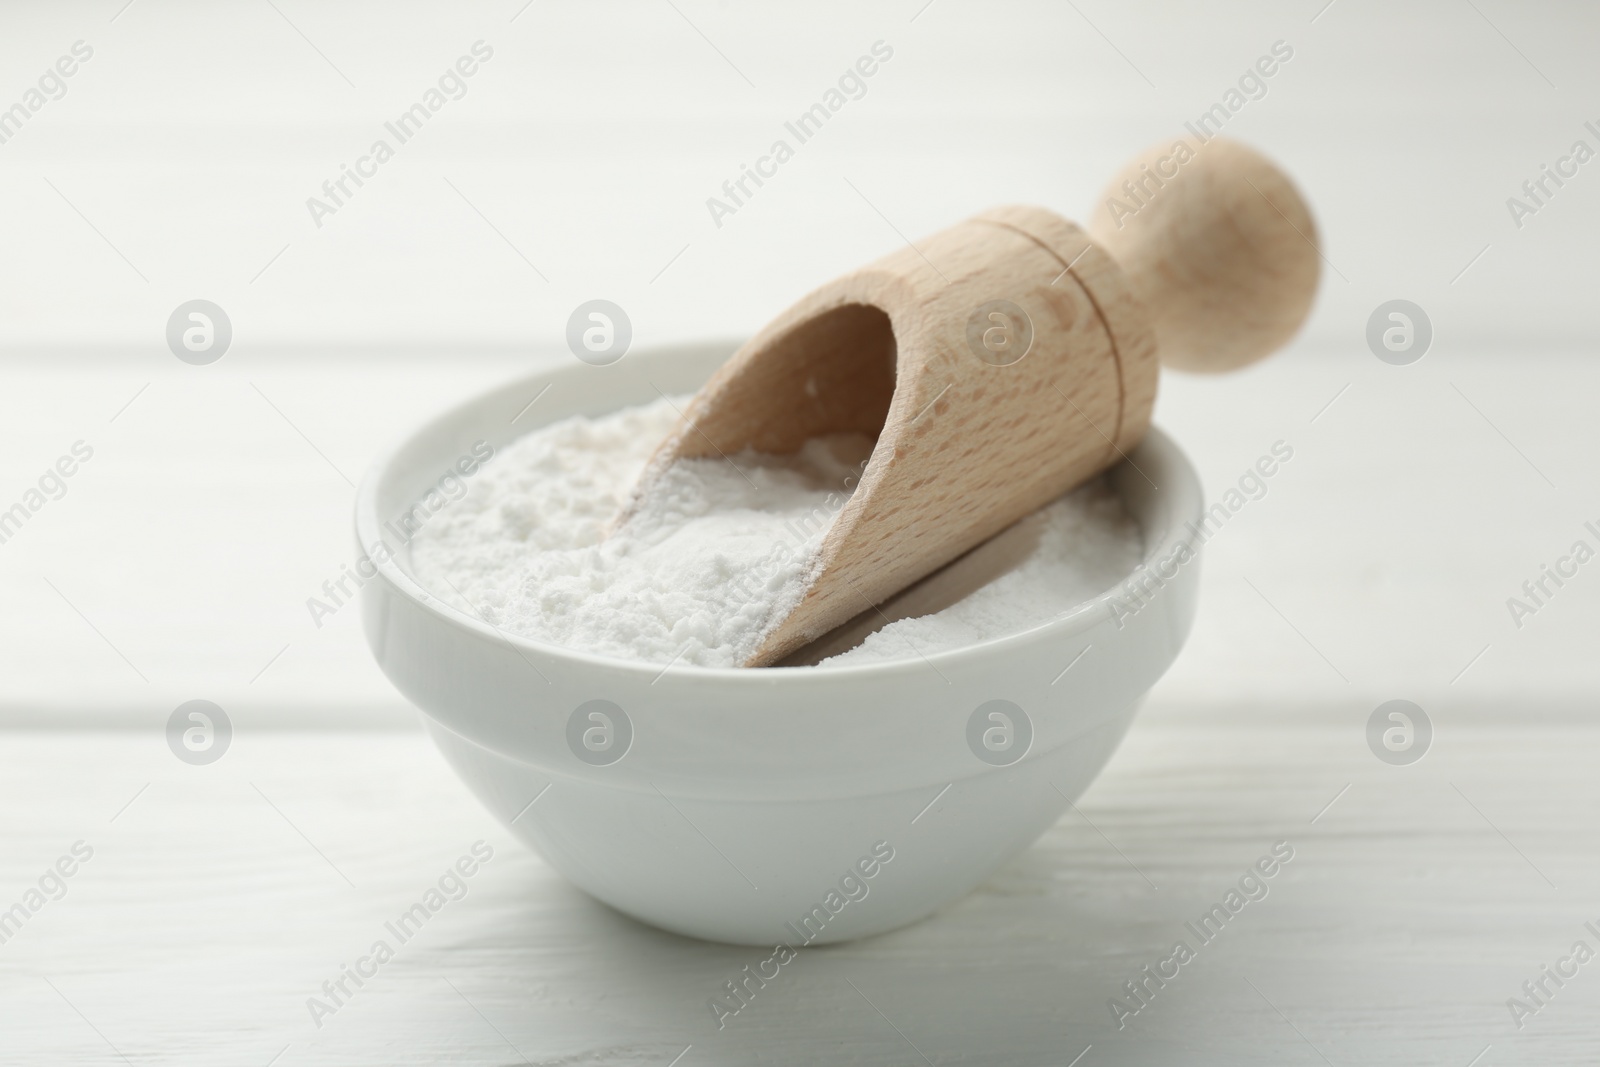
750, 806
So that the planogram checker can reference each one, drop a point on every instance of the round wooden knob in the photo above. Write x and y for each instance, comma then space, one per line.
1219, 246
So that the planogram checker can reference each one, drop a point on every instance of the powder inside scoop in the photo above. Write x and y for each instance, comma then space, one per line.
716, 553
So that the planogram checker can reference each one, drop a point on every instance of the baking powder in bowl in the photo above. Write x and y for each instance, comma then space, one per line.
717, 552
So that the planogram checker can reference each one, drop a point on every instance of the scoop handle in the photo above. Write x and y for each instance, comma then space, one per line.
1218, 244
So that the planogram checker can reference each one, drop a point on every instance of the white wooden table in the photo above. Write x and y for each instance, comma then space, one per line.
220, 898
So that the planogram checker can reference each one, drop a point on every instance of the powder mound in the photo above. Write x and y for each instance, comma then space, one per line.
711, 558
716, 553
1086, 544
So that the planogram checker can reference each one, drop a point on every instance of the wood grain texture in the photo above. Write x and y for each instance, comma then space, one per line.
1004, 361
1394, 937
971, 440
1220, 245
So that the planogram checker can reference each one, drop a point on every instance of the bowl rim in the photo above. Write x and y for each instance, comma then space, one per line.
1178, 482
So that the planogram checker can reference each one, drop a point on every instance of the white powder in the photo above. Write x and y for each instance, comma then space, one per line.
718, 552
1075, 548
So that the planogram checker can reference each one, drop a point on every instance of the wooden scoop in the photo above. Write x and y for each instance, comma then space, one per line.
1006, 360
